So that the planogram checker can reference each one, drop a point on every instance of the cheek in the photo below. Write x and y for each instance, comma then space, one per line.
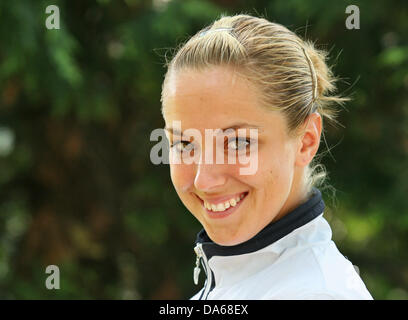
275, 168
182, 176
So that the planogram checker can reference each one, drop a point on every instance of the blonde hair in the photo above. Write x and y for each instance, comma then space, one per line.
291, 74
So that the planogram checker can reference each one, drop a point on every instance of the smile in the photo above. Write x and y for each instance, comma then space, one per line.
223, 206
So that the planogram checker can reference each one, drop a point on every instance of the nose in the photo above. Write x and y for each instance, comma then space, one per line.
209, 177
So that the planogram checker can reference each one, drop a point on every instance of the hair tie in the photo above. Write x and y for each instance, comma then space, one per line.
313, 73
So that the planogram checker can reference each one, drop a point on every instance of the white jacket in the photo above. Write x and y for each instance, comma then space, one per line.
292, 258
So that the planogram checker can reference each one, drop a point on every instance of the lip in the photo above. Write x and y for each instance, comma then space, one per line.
226, 213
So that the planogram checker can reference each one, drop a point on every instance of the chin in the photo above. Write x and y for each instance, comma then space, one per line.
227, 241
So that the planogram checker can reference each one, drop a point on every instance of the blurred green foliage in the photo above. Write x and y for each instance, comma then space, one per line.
77, 106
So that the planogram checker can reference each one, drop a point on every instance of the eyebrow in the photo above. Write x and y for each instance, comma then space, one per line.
235, 126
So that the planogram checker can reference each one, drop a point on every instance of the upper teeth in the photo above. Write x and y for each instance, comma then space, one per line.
223, 205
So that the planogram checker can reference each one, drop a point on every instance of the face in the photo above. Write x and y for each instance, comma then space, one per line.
231, 207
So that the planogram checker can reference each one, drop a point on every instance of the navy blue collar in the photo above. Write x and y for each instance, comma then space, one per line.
274, 231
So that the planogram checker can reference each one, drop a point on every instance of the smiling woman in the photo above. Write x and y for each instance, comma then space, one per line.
264, 235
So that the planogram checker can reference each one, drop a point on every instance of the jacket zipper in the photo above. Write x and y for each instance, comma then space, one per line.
200, 254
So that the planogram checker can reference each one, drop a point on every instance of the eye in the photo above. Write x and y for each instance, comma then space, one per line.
182, 146
238, 143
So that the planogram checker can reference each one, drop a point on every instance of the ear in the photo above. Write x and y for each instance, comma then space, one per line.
309, 140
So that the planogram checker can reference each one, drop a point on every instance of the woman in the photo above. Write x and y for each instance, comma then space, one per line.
264, 235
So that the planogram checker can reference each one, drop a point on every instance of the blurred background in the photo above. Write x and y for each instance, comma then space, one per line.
78, 104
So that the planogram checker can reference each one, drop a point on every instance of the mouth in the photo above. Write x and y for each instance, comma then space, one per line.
224, 206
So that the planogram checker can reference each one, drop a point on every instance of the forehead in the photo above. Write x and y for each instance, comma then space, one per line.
217, 88
213, 98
